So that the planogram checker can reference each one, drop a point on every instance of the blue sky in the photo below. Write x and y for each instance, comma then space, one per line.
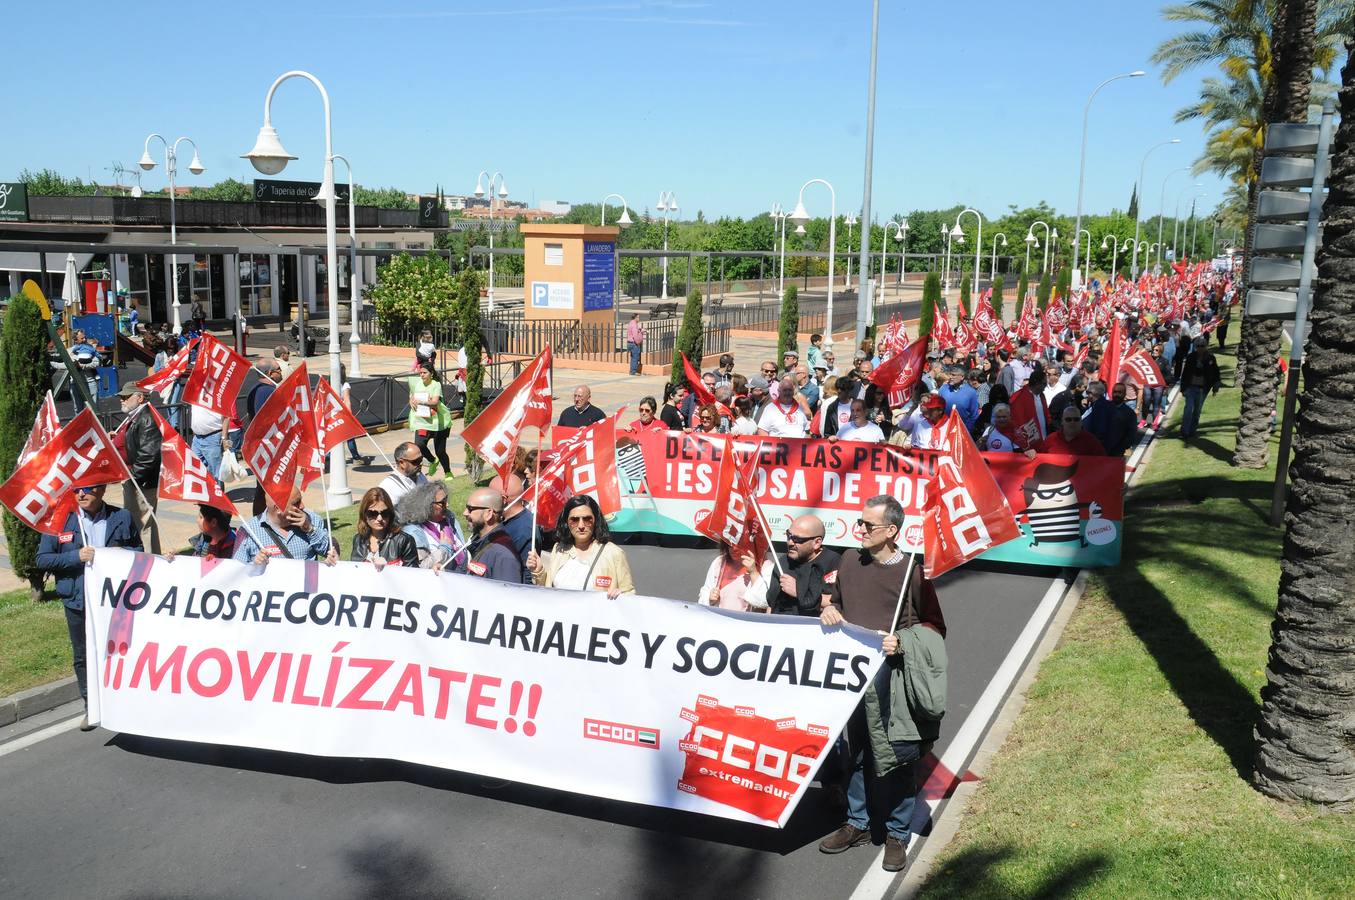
732, 105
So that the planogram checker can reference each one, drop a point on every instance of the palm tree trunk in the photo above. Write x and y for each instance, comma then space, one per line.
1306, 735
1295, 24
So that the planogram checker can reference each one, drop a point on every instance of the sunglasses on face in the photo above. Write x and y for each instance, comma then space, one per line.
418, 461
442, 502
581, 520
471, 509
646, 409
797, 539
84, 491
870, 526
378, 514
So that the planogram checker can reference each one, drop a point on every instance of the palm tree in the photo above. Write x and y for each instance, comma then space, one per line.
1304, 750
1231, 111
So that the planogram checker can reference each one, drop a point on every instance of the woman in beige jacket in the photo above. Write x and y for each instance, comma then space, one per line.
584, 558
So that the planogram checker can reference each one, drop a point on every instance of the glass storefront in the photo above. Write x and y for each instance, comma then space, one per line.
256, 284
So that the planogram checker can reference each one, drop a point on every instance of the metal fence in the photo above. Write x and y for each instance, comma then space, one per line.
212, 213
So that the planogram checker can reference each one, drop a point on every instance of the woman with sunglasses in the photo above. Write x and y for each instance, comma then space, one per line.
737, 583
648, 420
707, 419
378, 541
584, 558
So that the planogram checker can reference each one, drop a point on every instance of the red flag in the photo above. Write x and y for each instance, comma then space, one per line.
1110, 360
334, 421
45, 426
990, 328
584, 463
704, 395
966, 512
941, 332
217, 377
734, 518
184, 477
525, 403
901, 372
177, 365
1142, 369
79, 455
1056, 315
965, 339
282, 435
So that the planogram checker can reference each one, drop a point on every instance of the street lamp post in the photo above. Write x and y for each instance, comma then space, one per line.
667, 204
1178, 233
800, 216
1162, 207
623, 221
779, 216
1050, 235
354, 341
992, 268
978, 244
1139, 194
1116, 244
1155, 248
1087, 267
172, 169
850, 220
1082, 163
900, 228
269, 158
901, 235
502, 194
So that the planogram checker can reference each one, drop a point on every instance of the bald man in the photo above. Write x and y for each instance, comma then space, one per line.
583, 413
517, 519
492, 553
809, 568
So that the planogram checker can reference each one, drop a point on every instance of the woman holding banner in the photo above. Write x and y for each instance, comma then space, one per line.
429, 418
736, 583
377, 541
423, 515
584, 558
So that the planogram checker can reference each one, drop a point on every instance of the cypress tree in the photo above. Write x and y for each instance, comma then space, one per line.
998, 284
1134, 203
931, 297
1064, 284
788, 338
689, 337
23, 367
466, 300
1042, 292
1022, 288
964, 293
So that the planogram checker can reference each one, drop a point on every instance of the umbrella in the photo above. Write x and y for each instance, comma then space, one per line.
70, 291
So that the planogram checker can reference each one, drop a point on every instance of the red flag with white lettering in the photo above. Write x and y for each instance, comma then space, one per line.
584, 463
1142, 369
217, 377
526, 402
282, 436
184, 477
941, 332
334, 421
989, 327
734, 517
177, 365
966, 511
45, 426
79, 455
901, 372
1110, 360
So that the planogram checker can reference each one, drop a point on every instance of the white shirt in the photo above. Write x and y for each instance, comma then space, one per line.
574, 570
1052, 390
778, 421
397, 485
205, 422
921, 434
869, 432
995, 441
743, 426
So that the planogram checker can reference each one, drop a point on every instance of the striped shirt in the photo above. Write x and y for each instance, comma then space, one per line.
314, 545
1061, 523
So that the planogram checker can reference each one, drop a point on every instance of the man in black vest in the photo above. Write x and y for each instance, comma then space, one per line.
809, 570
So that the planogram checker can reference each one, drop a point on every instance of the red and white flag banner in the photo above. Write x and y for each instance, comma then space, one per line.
177, 365
45, 426
584, 463
525, 403
282, 436
217, 377
81, 454
735, 518
184, 477
334, 421
966, 511
1143, 370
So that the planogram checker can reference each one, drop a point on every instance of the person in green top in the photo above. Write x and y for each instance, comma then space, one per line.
429, 417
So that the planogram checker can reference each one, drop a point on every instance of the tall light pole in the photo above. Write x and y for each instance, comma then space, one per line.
1176, 220
354, 341
1050, 235
947, 234
901, 235
900, 228
800, 216
1154, 247
1194, 222
1031, 240
849, 220
503, 194
1138, 188
1082, 163
992, 268
1088, 266
667, 204
623, 221
269, 158
1116, 243
864, 314
978, 244
172, 169
1162, 207
779, 217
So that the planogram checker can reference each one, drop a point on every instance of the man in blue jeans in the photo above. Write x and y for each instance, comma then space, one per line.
635, 342
1199, 375
210, 438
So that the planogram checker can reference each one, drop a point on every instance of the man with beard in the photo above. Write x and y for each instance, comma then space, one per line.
809, 569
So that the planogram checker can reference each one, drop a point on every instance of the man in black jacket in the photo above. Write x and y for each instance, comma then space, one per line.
1199, 375
141, 448
809, 570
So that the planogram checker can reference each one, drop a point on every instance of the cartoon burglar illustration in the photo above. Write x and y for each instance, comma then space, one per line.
1052, 509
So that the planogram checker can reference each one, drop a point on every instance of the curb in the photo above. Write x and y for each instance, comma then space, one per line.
36, 700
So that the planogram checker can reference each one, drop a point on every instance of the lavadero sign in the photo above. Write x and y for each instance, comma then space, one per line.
13, 201
599, 274
293, 191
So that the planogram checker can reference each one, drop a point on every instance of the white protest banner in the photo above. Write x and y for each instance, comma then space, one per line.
637, 699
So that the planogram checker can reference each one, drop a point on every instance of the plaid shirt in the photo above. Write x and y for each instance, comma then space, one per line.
299, 546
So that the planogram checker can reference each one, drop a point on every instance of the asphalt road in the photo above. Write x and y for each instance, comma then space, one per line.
111, 815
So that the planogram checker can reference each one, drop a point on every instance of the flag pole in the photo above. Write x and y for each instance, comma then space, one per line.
903, 591
536, 479
329, 525
390, 464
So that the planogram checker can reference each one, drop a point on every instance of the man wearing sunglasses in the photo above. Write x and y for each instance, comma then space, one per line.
1070, 438
65, 554
408, 473
809, 568
493, 554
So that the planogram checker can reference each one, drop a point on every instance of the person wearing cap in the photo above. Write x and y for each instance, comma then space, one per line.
789, 360
921, 426
139, 441
957, 394
758, 388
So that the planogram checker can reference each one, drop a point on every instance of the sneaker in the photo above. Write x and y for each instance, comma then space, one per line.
432, 470
896, 854
85, 726
845, 838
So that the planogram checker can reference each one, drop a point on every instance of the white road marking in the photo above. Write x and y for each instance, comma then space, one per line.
37, 737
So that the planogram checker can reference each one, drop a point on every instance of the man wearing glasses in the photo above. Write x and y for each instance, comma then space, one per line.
885, 725
493, 554
809, 569
65, 554
408, 472
292, 532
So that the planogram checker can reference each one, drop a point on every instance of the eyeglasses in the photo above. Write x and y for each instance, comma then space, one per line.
442, 502
580, 520
646, 409
84, 490
797, 539
707, 418
868, 527
378, 513
769, 371
416, 461
470, 508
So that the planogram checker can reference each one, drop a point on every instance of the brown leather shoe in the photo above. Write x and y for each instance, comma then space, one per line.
896, 854
845, 838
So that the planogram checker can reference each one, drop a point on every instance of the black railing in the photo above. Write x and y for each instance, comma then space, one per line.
212, 213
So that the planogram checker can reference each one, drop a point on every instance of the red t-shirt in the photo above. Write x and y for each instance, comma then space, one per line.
1085, 444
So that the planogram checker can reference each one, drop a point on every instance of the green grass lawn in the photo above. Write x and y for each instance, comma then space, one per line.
1126, 774
35, 648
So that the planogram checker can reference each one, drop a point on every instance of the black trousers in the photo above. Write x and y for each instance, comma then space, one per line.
75, 624
439, 439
